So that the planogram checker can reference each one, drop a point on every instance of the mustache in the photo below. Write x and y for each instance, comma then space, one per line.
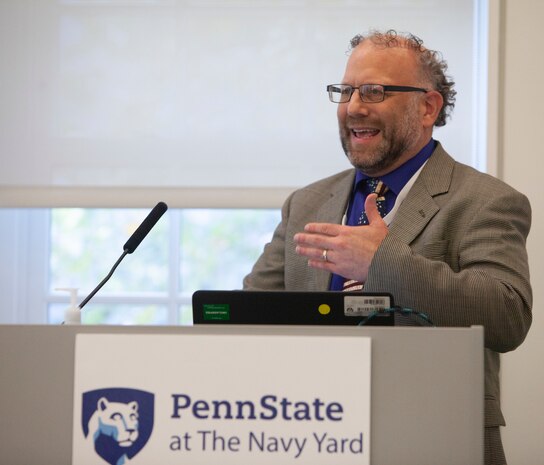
366, 122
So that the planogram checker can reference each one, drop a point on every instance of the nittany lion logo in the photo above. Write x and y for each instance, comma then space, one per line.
117, 422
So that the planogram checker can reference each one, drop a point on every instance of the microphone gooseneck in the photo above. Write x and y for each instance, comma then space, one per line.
104, 281
130, 246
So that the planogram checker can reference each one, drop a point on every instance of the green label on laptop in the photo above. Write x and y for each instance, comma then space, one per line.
216, 311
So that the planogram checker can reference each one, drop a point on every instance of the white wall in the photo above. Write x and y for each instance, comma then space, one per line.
522, 167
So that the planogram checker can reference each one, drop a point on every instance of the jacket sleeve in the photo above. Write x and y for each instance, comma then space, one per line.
268, 272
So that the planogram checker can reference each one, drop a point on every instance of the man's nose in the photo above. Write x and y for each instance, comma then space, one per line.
356, 106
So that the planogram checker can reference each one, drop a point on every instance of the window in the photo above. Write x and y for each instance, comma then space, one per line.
188, 249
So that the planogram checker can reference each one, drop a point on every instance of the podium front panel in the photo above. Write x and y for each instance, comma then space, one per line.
427, 389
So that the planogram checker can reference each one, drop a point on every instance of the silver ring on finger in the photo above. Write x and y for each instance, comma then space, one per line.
324, 255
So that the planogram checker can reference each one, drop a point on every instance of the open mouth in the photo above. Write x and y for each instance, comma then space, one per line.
364, 133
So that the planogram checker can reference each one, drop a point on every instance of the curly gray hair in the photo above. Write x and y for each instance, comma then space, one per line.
433, 66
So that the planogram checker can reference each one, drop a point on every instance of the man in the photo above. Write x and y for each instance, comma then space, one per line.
453, 242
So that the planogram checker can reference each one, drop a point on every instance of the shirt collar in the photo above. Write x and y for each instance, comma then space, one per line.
396, 179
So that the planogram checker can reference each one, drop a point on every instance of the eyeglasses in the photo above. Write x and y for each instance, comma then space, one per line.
369, 93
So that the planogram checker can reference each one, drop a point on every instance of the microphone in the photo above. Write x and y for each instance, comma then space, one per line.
145, 227
130, 246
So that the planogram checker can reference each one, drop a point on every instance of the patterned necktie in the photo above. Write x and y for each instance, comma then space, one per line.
374, 186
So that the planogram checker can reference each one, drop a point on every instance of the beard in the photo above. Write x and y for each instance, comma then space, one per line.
397, 139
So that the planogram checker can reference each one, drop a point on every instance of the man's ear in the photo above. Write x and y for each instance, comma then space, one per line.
433, 103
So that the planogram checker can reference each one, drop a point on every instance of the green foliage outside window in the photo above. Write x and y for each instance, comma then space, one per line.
187, 250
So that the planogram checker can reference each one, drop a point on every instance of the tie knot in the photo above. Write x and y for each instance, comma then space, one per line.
371, 183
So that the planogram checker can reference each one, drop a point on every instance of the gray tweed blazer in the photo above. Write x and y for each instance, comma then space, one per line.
456, 250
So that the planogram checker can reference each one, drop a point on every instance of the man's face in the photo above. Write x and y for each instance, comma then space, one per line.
379, 137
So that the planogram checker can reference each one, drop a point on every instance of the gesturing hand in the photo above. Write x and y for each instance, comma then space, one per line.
344, 250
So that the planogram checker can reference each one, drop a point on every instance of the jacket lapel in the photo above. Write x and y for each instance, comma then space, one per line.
332, 211
419, 206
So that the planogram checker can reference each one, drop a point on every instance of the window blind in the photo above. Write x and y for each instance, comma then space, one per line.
199, 103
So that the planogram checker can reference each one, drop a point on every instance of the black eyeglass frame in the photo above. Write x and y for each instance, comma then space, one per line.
362, 94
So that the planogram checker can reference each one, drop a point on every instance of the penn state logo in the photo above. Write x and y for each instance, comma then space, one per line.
117, 422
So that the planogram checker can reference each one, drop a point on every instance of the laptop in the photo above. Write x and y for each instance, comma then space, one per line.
291, 308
